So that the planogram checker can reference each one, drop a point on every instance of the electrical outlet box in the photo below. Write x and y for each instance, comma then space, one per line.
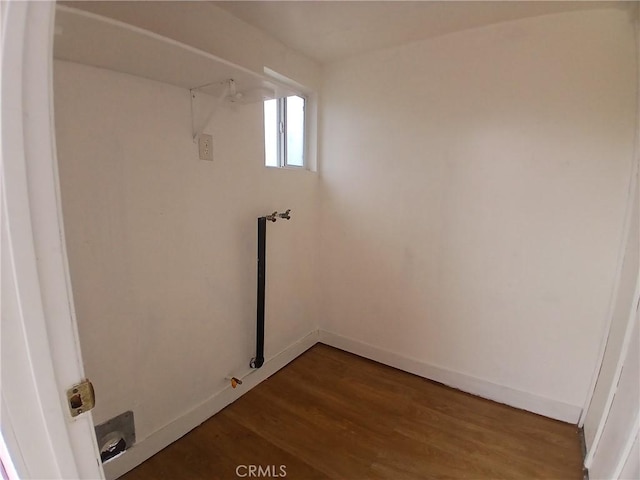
205, 147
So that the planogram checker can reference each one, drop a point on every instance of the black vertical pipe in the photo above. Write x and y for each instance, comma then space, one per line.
262, 261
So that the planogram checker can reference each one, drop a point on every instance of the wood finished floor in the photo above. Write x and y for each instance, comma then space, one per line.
333, 415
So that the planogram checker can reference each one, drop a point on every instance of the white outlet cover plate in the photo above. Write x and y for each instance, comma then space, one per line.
205, 147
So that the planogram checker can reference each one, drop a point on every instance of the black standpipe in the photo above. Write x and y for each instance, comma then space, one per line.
258, 360
262, 243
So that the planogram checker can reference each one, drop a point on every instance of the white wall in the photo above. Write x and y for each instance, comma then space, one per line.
162, 246
473, 195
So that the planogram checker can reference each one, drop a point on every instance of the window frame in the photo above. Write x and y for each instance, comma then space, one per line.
282, 154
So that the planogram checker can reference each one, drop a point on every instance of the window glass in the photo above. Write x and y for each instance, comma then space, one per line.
295, 131
271, 133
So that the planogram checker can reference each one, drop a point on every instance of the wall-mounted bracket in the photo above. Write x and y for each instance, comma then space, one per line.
204, 106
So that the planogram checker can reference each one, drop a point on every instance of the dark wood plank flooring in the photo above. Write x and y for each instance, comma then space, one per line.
333, 415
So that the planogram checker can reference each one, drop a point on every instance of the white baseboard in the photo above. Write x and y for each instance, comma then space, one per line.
173, 431
476, 386
499, 393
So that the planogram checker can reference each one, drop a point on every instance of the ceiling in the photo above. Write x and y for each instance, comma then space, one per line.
327, 31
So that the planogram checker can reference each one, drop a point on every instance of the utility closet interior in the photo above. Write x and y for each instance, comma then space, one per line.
454, 184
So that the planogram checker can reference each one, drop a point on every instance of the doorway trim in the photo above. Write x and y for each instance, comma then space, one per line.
40, 349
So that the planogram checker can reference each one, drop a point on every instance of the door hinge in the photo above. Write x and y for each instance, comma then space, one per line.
81, 398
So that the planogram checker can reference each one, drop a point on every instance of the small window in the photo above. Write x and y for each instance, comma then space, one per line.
284, 132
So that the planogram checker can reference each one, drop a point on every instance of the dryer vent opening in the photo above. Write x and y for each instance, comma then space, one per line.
115, 436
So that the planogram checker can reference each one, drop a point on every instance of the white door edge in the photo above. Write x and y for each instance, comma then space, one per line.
38, 316
633, 184
625, 231
627, 450
591, 449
